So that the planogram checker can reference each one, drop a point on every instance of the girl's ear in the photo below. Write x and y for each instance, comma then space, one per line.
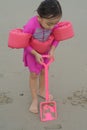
39, 18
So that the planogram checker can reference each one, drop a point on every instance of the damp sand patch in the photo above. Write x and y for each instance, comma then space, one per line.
1, 75
78, 98
5, 99
53, 127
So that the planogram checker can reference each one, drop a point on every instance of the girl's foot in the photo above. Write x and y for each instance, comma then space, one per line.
42, 95
34, 107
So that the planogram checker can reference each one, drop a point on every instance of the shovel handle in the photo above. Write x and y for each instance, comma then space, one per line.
49, 62
46, 65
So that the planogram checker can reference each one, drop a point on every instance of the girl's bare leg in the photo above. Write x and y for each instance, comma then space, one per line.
33, 87
42, 85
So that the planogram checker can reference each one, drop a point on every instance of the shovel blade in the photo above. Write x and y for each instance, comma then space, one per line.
48, 111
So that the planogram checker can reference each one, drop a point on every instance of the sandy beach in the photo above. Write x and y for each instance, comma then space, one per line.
67, 75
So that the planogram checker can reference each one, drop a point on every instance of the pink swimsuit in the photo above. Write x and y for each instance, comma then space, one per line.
41, 34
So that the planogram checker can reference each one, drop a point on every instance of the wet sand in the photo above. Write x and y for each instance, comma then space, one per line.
67, 76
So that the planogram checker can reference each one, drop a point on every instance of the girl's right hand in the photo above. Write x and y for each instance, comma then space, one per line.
39, 58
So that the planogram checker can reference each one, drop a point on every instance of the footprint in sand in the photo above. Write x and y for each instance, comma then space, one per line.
4, 99
53, 127
79, 98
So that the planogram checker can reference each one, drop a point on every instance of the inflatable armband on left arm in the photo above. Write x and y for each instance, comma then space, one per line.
18, 39
63, 31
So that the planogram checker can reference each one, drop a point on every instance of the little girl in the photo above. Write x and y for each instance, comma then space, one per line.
41, 26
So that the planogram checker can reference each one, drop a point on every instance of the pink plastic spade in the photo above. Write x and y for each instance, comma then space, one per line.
48, 109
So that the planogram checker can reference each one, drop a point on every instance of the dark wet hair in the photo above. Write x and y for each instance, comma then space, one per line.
49, 9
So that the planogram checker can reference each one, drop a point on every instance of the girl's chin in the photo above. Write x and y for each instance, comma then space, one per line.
45, 27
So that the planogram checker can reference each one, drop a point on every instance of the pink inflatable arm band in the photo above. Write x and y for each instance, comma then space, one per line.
63, 31
18, 39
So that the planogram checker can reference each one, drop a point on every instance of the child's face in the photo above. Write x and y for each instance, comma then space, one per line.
48, 23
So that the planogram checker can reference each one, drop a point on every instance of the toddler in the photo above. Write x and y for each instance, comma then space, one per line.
40, 26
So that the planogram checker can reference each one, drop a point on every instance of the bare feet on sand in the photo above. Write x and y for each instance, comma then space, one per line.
34, 107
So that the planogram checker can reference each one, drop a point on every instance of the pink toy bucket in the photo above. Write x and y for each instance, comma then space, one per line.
63, 31
18, 39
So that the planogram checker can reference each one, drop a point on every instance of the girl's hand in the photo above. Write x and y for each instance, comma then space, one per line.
39, 58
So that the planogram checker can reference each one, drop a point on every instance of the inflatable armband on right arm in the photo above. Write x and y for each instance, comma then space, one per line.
18, 39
